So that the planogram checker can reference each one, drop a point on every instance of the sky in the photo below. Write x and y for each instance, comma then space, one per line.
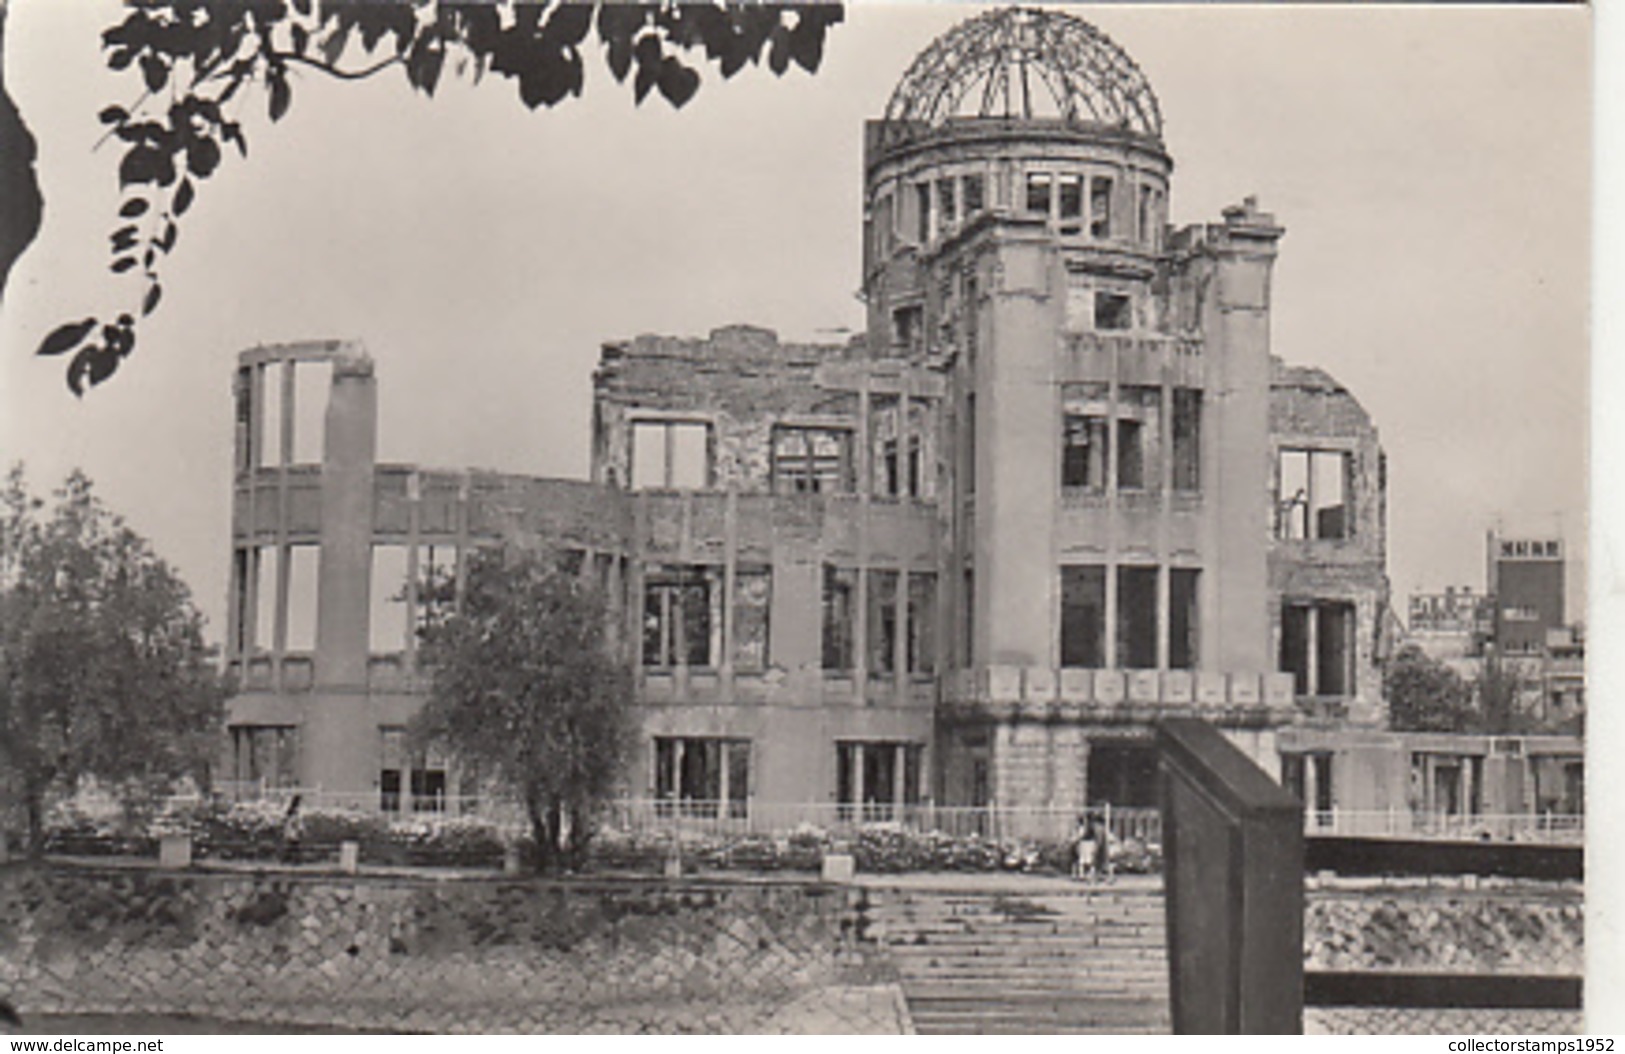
1430, 164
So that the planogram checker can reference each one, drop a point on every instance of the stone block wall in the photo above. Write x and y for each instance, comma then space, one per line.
1522, 928
448, 955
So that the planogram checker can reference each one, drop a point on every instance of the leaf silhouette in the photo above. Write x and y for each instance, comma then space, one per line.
65, 337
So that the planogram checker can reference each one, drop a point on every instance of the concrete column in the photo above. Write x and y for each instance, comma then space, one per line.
341, 730
1236, 327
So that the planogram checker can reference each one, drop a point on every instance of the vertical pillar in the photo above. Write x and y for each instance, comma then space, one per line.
730, 578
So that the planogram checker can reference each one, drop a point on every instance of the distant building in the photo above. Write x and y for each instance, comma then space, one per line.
1061, 488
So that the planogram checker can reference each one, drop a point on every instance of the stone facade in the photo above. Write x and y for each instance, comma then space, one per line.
1059, 489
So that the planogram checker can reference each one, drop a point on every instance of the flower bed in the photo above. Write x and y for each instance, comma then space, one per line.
254, 831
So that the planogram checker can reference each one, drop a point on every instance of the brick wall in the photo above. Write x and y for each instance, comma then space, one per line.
449, 955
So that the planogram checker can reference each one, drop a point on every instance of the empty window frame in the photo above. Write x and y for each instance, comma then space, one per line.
1083, 616
922, 623
872, 779
1071, 204
968, 477
312, 382
702, 775
839, 600
677, 615
671, 455
303, 563
1039, 187
1137, 618
922, 211
437, 584
971, 186
1113, 311
247, 440
408, 776
1100, 207
1085, 436
388, 619
947, 207
272, 419
267, 755
1312, 499
1184, 642
882, 622
254, 577
812, 460
1139, 434
1318, 646
1187, 439
752, 601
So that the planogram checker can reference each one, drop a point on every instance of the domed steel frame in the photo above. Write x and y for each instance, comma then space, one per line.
1024, 63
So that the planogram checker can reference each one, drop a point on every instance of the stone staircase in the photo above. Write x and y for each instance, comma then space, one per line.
1048, 960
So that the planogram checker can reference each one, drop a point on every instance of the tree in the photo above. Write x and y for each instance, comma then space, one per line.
1425, 695
525, 687
1501, 686
103, 668
193, 57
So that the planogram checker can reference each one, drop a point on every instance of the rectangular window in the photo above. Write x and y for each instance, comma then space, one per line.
668, 455
946, 209
1085, 438
970, 444
403, 771
1071, 203
437, 584
265, 575
922, 623
1038, 192
312, 383
1100, 207
1130, 454
247, 441
873, 778
1137, 618
922, 209
265, 754
677, 616
1183, 641
812, 460
1334, 642
702, 776
971, 186
1187, 438
1113, 311
914, 461
1142, 226
840, 594
970, 618
388, 617
753, 598
302, 585
271, 418
882, 622
1083, 616
1317, 647
1312, 496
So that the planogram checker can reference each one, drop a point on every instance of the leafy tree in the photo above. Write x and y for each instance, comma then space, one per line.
193, 57
1425, 695
103, 668
526, 688
1500, 688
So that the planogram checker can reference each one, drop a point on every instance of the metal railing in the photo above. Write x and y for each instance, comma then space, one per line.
742, 816
1547, 828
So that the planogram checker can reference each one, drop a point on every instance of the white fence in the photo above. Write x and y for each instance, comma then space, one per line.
1547, 828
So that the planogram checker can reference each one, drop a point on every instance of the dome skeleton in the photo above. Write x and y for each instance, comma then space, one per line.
1085, 75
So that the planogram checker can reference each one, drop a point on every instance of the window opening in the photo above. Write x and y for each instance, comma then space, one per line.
677, 616
1137, 618
1038, 192
1083, 616
1113, 311
702, 776
1187, 437
812, 460
1100, 207
840, 594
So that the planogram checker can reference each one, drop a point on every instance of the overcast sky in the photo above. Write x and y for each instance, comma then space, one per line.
1430, 166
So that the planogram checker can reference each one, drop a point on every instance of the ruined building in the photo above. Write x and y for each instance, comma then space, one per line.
1059, 489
